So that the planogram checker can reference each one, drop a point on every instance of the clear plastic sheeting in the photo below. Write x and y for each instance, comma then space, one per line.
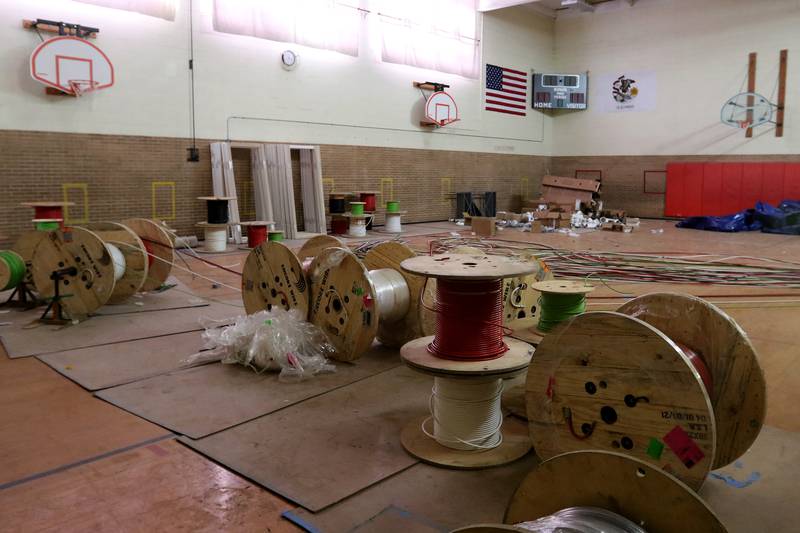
582, 520
270, 340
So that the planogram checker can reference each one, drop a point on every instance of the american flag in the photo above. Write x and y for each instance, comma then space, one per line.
506, 90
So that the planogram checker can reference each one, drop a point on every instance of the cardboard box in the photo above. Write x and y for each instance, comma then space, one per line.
484, 226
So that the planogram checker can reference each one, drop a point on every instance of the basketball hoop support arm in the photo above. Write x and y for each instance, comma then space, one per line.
61, 28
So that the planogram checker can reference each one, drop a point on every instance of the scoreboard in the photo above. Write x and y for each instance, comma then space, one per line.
560, 91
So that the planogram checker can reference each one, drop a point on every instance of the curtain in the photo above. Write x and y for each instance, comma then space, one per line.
327, 24
440, 35
164, 9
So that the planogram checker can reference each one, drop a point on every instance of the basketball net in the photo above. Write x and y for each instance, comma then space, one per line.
80, 87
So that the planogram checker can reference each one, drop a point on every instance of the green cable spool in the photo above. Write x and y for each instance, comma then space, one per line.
12, 267
47, 226
555, 308
275, 236
392, 206
357, 208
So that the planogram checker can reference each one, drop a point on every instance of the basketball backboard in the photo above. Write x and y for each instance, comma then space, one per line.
441, 108
71, 65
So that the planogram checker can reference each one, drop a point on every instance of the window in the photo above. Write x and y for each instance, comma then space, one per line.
439, 35
164, 9
327, 24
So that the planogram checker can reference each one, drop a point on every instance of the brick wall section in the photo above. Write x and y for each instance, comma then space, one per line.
119, 171
623, 176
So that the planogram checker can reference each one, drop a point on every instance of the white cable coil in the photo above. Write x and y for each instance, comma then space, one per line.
466, 413
118, 259
582, 520
216, 239
392, 293
358, 227
393, 223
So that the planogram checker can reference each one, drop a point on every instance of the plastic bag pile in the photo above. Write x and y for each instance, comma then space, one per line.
271, 340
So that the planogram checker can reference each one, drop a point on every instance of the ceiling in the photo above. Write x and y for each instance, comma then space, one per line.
546, 7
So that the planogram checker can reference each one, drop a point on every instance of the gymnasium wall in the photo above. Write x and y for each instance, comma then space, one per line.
698, 51
329, 98
111, 177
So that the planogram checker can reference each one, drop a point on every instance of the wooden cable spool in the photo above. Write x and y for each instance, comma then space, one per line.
136, 260
390, 254
159, 243
532, 333
738, 395
520, 298
618, 382
91, 283
636, 490
417, 355
347, 298
273, 276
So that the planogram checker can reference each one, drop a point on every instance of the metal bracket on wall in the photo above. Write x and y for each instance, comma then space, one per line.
61, 28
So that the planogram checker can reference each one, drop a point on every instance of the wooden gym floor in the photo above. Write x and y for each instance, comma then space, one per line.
71, 462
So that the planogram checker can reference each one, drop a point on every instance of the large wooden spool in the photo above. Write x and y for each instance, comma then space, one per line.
739, 389
343, 302
158, 242
634, 489
92, 284
136, 261
273, 276
390, 254
608, 381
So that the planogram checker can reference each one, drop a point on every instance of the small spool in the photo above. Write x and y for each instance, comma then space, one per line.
337, 203
557, 288
339, 225
12, 270
275, 236
48, 224
257, 231
215, 237
49, 211
217, 211
393, 216
471, 433
357, 209
369, 199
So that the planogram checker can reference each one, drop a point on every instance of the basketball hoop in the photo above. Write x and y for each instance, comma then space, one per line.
80, 87
70, 65
746, 110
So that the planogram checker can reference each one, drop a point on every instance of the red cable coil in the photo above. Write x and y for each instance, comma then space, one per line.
469, 320
700, 366
256, 234
369, 199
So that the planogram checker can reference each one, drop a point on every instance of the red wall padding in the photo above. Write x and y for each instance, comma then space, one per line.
707, 189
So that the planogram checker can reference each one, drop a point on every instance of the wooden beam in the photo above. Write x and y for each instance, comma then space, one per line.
751, 88
781, 92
